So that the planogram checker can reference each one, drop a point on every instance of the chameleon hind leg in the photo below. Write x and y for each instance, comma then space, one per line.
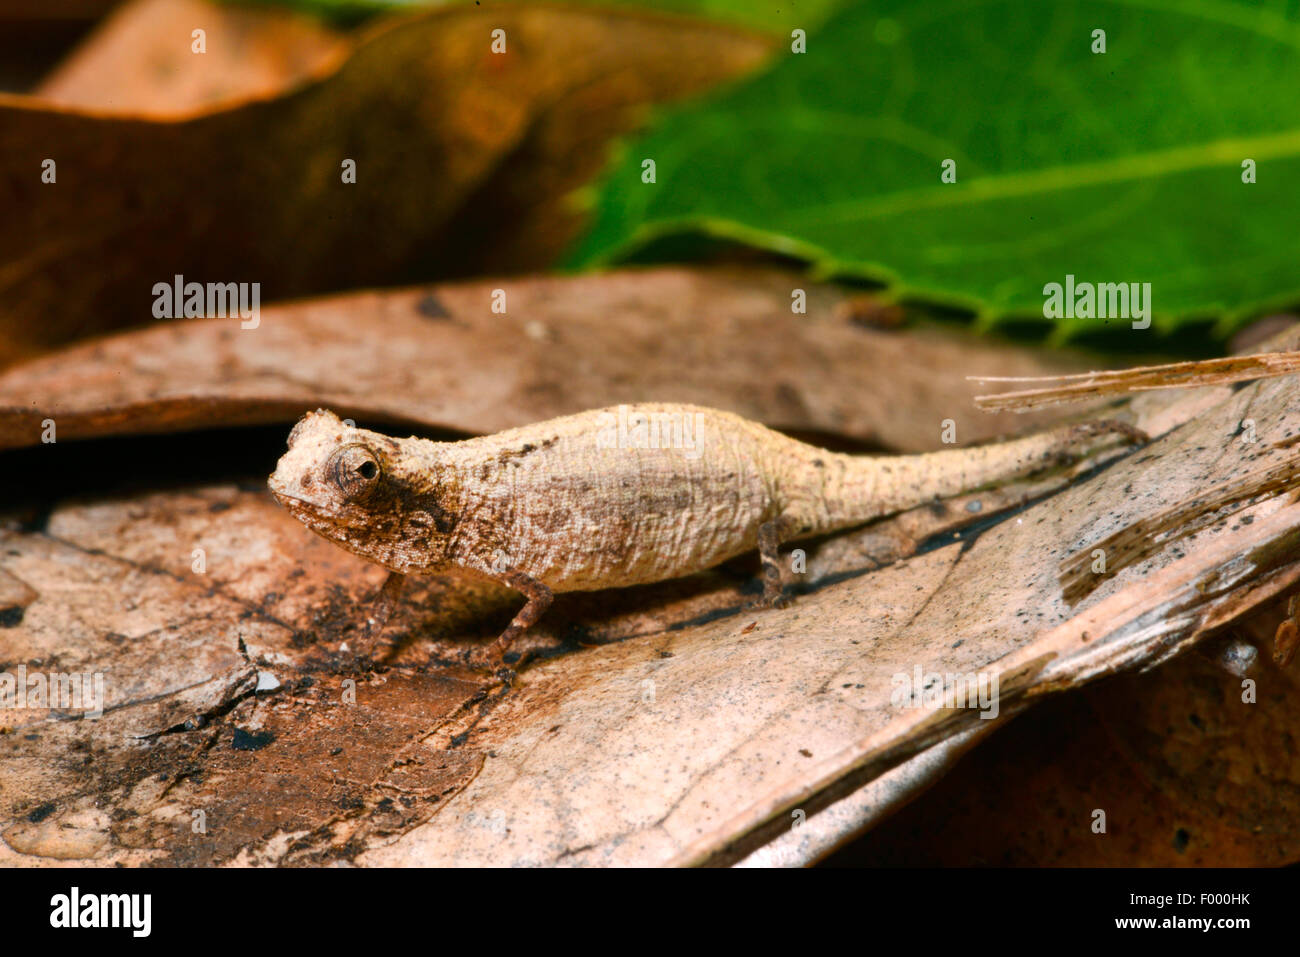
770, 535
539, 599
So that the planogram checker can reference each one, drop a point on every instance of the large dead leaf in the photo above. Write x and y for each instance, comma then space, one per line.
688, 731
464, 160
725, 338
183, 655
795, 711
139, 59
1187, 769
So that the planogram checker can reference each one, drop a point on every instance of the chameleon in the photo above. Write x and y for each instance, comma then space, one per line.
613, 497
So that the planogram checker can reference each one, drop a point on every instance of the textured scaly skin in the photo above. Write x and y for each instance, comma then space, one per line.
612, 497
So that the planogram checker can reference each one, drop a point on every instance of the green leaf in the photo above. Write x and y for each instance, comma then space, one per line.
1122, 166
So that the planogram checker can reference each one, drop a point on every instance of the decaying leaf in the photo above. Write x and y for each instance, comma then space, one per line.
757, 699
1188, 765
203, 625
140, 59
665, 724
463, 160
724, 338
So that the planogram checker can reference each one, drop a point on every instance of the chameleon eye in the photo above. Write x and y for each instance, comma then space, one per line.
355, 469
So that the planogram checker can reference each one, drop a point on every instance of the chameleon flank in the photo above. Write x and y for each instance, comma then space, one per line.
612, 497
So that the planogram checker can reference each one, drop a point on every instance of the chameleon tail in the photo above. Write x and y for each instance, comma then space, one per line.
859, 488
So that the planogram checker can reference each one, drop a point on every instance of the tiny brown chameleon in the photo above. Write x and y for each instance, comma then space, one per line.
612, 497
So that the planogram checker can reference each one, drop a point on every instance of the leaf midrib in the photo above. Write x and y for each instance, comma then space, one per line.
1150, 165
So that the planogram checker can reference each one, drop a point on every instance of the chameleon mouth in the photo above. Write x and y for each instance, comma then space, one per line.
297, 507
281, 496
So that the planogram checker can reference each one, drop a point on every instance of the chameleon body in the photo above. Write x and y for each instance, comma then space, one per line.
611, 497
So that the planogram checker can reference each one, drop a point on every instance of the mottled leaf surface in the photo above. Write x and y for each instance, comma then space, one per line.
725, 338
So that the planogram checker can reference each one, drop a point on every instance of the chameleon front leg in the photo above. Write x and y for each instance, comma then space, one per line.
380, 611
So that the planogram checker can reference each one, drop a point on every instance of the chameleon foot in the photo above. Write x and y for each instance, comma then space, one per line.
493, 657
767, 601
486, 660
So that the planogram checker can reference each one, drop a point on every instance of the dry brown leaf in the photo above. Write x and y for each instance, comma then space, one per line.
139, 59
182, 653
1187, 773
722, 337
693, 740
186, 648
795, 713
871, 805
824, 832
464, 160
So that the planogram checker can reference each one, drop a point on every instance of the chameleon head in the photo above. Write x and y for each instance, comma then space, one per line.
346, 484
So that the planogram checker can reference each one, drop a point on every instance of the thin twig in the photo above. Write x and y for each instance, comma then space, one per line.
1091, 385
